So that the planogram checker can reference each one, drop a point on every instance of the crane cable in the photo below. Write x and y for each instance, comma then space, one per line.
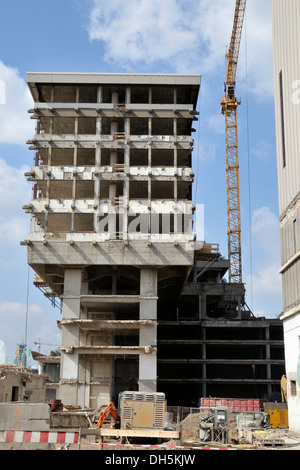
249, 166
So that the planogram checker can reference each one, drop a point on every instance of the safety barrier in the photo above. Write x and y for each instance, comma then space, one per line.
165, 447
62, 437
40, 437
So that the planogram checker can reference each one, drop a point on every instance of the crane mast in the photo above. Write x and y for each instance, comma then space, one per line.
229, 106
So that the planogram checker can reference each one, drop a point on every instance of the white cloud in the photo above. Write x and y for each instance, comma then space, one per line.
264, 151
265, 279
184, 36
15, 192
15, 124
176, 32
13, 186
258, 32
215, 123
266, 231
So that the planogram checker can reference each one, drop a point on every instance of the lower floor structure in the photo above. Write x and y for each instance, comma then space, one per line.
186, 333
223, 358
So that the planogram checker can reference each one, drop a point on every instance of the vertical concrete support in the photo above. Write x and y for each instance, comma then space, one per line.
268, 358
239, 308
98, 156
148, 334
204, 388
112, 225
124, 220
70, 337
202, 307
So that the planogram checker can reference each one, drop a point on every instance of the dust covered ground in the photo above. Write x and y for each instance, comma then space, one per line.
278, 439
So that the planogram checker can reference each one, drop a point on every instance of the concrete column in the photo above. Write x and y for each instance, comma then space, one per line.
204, 388
148, 334
98, 160
70, 337
124, 213
112, 223
202, 307
268, 357
239, 308
41, 368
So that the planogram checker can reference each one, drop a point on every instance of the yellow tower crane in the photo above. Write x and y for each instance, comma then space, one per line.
229, 106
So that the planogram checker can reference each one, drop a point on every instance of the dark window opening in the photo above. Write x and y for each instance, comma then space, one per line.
15, 394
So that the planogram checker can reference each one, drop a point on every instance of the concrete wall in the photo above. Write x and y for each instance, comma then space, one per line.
16, 386
286, 40
292, 354
24, 416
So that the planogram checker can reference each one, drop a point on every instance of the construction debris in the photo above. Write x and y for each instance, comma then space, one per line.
212, 427
190, 427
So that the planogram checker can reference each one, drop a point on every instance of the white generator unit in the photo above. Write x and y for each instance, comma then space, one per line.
139, 410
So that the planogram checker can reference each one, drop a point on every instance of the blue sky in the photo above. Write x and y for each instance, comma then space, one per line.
165, 36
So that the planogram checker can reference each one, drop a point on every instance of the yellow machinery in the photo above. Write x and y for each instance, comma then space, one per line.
283, 385
279, 418
229, 106
140, 410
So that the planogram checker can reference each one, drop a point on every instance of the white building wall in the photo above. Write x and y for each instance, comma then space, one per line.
292, 354
286, 40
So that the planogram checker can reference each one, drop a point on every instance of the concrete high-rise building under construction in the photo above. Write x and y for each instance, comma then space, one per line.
112, 237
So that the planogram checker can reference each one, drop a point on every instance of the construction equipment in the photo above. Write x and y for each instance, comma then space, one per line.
283, 386
136, 410
214, 424
279, 418
229, 106
39, 343
110, 409
140, 410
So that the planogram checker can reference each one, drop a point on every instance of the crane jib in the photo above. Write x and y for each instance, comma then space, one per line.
234, 48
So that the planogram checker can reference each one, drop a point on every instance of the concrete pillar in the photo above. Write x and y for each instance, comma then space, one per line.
41, 368
124, 217
98, 158
202, 307
268, 357
148, 334
239, 308
204, 388
70, 337
112, 222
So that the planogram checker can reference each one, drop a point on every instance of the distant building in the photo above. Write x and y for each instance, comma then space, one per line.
50, 367
286, 37
18, 384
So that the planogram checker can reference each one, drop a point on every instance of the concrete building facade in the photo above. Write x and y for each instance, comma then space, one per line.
286, 39
111, 218
144, 307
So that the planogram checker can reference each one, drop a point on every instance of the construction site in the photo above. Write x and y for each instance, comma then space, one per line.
158, 344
